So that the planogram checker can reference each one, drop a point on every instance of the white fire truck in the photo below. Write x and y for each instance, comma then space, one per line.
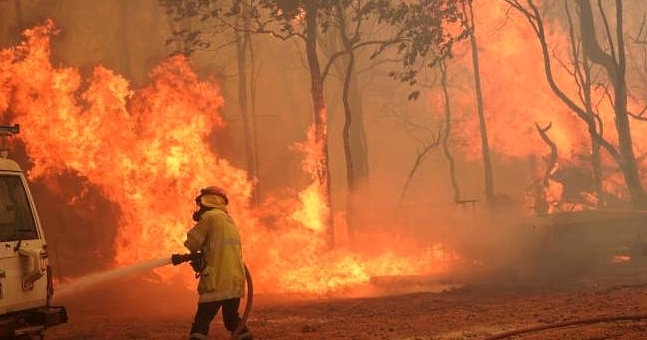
26, 286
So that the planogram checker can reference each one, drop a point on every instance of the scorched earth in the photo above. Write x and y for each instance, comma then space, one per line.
612, 305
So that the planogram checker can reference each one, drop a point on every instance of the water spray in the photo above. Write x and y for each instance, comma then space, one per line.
195, 259
94, 279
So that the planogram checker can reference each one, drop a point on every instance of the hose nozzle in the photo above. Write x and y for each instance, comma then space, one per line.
188, 257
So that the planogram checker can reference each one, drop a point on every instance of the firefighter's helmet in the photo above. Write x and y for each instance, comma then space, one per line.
212, 196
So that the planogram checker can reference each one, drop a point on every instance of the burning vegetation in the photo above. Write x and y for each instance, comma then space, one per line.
130, 159
147, 152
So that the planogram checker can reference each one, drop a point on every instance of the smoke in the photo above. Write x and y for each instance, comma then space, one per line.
386, 218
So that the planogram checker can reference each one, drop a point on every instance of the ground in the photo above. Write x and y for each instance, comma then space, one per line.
391, 310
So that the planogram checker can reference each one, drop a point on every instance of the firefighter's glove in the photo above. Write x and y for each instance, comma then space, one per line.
177, 259
198, 264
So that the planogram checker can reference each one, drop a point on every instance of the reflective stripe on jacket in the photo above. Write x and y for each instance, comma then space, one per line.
216, 235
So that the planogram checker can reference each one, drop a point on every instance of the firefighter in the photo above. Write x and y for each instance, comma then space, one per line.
222, 272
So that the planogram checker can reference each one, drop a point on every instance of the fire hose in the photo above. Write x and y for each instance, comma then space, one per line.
196, 260
601, 319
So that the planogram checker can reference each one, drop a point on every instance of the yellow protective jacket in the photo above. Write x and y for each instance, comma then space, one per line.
216, 235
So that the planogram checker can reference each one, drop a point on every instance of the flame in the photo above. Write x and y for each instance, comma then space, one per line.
147, 150
620, 258
516, 96
312, 213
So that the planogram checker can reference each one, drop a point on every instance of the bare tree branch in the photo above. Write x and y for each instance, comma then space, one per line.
552, 160
418, 161
639, 116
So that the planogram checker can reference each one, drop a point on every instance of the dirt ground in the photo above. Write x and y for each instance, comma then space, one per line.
611, 306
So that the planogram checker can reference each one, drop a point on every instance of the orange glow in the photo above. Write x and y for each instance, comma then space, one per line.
620, 258
516, 96
147, 150
314, 210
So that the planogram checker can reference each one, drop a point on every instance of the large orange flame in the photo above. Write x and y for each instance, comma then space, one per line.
147, 150
516, 96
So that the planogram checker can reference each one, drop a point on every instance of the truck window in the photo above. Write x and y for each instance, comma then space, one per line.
16, 221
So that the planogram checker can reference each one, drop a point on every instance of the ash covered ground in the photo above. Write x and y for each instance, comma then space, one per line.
397, 309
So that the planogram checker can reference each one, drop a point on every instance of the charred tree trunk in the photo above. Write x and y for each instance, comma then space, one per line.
243, 44
594, 127
358, 153
358, 144
542, 205
614, 64
615, 69
320, 115
353, 134
456, 194
351, 178
485, 145
583, 78
552, 158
